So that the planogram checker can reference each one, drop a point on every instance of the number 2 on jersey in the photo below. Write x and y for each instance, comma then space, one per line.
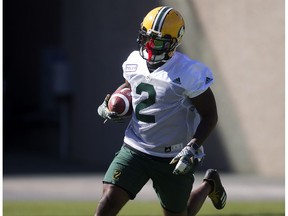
144, 87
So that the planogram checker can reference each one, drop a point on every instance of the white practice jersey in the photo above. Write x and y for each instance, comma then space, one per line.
164, 119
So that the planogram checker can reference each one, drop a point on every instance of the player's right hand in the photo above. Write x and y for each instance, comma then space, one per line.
184, 160
105, 113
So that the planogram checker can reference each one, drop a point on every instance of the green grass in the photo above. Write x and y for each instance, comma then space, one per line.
137, 208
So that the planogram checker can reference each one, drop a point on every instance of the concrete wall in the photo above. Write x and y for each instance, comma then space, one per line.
243, 42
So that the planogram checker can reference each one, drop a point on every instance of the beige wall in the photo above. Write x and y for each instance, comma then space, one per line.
243, 42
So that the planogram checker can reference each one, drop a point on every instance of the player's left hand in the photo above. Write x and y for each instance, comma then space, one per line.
185, 159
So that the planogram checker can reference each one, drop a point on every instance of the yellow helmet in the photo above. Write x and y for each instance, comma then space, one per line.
160, 33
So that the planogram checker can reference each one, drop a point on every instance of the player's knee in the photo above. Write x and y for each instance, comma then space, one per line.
111, 201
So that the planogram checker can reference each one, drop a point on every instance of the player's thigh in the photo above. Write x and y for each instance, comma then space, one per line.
172, 190
127, 171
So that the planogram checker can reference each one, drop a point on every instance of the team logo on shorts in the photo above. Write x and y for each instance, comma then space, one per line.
116, 174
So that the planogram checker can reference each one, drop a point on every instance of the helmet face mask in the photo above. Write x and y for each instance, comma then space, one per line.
154, 46
160, 33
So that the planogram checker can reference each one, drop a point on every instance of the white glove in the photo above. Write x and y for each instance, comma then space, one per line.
105, 113
186, 158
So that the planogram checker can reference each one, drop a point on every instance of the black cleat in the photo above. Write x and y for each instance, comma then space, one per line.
218, 195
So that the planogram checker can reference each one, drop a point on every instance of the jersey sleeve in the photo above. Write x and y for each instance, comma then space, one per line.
199, 80
130, 65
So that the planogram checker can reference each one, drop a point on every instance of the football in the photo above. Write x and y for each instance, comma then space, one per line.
121, 102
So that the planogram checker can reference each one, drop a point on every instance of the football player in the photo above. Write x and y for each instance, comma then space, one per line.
174, 111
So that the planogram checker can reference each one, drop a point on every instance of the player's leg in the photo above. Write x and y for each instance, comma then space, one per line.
112, 200
124, 178
197, 198
211, 187
173, 190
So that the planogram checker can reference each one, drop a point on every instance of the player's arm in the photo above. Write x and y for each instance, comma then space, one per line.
206, 106
124, 85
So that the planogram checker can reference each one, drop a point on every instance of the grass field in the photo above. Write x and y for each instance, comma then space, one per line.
137, 208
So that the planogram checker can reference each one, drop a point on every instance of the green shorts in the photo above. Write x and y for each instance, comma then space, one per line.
131, 169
